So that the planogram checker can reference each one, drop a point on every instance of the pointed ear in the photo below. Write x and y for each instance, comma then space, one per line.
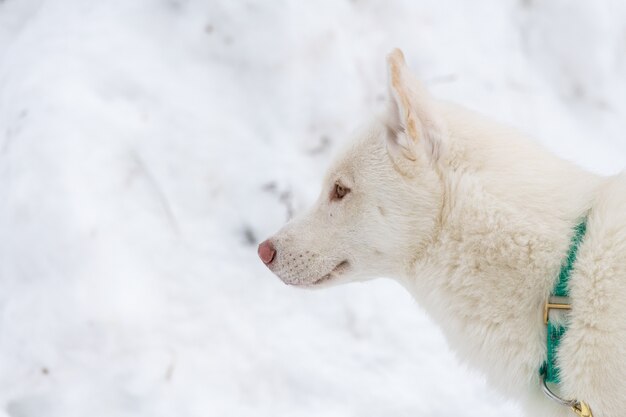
413, 128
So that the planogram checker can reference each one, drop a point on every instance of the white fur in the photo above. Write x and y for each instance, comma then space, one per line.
474, 220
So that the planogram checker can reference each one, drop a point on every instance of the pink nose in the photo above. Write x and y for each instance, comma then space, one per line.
267, 252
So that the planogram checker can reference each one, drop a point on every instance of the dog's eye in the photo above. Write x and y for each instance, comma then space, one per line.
340, 191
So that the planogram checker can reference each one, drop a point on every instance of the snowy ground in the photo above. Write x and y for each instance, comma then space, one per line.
146, 146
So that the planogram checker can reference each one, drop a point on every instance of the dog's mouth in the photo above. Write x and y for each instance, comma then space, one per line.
338, 270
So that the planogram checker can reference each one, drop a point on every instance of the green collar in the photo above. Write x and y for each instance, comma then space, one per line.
559, 300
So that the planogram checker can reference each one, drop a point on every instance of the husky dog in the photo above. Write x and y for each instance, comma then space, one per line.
475, 221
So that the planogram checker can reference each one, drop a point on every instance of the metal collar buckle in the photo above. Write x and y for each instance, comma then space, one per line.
579, 407
556, 303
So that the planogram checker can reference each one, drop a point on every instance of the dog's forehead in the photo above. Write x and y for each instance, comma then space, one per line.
356, 155
340, 168
349, 161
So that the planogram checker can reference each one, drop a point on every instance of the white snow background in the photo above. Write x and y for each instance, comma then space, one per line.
146, 146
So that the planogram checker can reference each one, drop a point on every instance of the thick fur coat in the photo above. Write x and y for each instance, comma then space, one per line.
474, 220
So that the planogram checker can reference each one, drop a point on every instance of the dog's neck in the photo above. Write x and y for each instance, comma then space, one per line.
506, 221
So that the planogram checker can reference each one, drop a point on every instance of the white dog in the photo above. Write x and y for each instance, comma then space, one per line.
476, 222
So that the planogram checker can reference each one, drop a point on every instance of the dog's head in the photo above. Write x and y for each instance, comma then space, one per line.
381, 198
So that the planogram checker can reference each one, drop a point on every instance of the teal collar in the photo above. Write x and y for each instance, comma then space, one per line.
559, 299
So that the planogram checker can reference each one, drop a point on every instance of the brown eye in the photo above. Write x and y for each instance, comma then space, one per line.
340, 192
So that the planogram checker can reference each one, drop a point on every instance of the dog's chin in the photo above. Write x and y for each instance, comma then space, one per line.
326, 280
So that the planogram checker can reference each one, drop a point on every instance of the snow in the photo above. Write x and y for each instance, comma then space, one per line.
147, 146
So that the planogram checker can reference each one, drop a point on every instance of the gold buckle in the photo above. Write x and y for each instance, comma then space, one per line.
582, 409
555, 306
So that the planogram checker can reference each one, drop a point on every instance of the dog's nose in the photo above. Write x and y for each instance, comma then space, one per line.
267, 252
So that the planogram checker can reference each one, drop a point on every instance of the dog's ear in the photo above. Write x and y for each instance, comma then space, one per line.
412, 126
